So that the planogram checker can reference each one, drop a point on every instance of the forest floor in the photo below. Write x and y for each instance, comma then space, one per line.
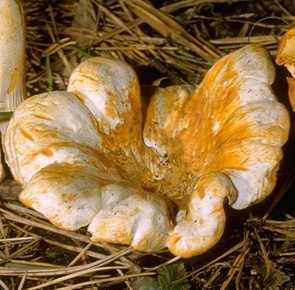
167, 42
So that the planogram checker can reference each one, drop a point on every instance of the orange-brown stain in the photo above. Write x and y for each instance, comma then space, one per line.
286, 48
27, 134
291, 91
26, 201
13, 81
121, 235
69, 197
46, 151
41, 116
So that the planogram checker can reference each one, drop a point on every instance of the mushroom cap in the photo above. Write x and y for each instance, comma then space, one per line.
286, 57
194, 148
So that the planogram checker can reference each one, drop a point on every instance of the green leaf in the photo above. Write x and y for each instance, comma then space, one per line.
146, 283
169, 278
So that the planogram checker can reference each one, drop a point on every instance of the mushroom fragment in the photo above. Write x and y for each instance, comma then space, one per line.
191, 150
286, 57
12, 52
12, 58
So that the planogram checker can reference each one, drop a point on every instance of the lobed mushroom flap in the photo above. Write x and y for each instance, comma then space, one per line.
68, 195
110, 90
48, 128
203, 224
231, 124
286, 57
131, 217
236, 125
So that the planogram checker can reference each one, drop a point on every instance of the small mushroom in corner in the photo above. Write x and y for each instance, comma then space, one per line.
286, 57
12, 62
90, 157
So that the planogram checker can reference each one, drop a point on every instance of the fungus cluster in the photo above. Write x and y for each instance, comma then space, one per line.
156, 176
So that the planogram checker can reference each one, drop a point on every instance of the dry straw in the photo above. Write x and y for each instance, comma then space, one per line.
175, 42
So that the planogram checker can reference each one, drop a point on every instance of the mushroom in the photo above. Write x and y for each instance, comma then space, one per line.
12, 55
154, 177
286, 57
12, 58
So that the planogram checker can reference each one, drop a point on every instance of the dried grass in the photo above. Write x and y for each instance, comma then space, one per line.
172, 43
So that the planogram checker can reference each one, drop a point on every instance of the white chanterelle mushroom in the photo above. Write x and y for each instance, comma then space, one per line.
156, 177
12, 58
